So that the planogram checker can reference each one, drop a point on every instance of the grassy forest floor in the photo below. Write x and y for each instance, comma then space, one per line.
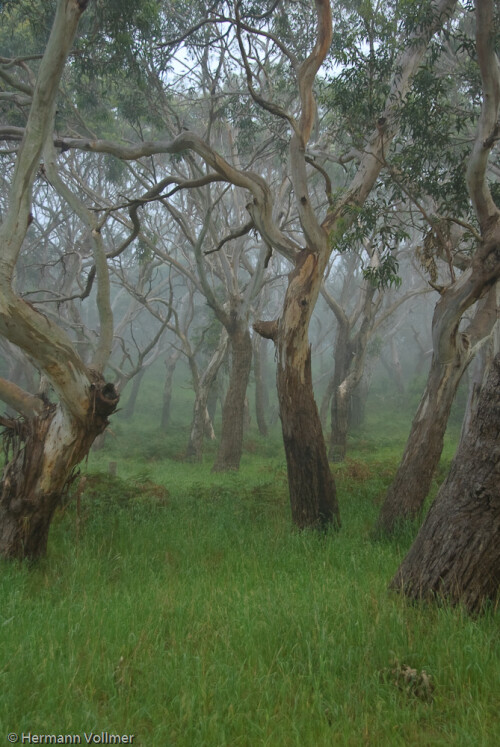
180, 606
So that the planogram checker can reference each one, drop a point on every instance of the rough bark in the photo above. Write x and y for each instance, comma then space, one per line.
412, 483
231, 441
43, 447
456, 554
452, 348
312, 489
453, 351
41, 454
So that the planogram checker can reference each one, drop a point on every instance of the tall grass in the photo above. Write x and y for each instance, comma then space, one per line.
181, 606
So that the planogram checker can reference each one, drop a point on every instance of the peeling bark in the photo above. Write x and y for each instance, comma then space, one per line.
41, 454
43, 447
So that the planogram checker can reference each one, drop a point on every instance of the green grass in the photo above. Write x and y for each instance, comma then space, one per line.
181, 606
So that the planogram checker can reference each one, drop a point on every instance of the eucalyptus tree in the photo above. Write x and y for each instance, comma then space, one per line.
459, 210
281, 69
49, 440
456, 554
367, 290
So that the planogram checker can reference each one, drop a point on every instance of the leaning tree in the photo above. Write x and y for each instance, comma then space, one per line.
48, 439
456, 554
472, 278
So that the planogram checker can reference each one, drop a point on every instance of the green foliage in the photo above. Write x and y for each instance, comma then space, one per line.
364, 46
385, 274
374, 221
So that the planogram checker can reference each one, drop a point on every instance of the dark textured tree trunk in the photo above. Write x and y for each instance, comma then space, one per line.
311, 485
456, 554
312, 489
453, 351
231, 442
406, 495
42, 452
261, 393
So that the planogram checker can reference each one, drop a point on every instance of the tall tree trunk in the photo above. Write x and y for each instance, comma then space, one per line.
393, 367
132, 400
312, 489
311, 485
170, 365
231, 442
453, 352
326, 400
261, 393
341, 395
456, 554
201, 417
358, 402
412, 483
42, 452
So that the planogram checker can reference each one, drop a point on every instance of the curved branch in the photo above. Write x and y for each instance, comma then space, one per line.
373, 158
15, 397
260, 208
488, 126
20, 323
269, 106
315, 234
